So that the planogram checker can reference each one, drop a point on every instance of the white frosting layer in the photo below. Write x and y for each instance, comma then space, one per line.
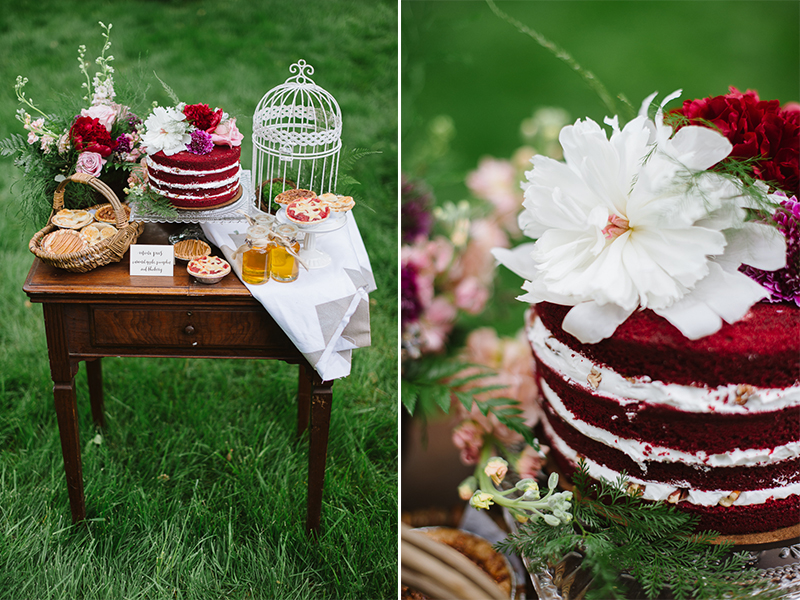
205, 185
640, 452
660, 491
576, 368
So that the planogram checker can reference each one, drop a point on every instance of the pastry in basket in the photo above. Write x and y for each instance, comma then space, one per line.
338, 203
292, 195
97, 232
208, 269
308, 211
64, 241
72, 219
189, 249
106, 214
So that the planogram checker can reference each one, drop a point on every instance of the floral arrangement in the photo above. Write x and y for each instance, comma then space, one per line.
101, 138
194, 128
662, 217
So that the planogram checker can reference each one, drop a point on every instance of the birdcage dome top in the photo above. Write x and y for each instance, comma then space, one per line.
297, 113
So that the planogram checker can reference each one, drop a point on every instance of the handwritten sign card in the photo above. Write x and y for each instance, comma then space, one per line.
152, 260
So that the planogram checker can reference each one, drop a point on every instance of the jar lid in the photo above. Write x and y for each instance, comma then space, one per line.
287, 230
265, 220
258, 235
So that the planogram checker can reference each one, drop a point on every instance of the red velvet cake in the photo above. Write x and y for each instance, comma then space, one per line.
192, 156
711, 425
196, 180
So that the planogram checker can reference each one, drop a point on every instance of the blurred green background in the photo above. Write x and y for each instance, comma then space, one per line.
227, 522
460, 61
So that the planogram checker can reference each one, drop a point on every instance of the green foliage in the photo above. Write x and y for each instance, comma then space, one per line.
618, 532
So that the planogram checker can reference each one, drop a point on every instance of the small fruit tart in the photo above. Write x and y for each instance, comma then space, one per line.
208, 269
308, 211
292, 195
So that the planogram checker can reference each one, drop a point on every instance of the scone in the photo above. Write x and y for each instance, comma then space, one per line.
72, 219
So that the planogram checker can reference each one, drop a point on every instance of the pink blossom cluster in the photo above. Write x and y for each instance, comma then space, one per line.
439, 279
513, 370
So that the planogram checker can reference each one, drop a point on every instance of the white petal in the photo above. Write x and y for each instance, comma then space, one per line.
698, 148
518, 260
693, 319
591, 322
756, 244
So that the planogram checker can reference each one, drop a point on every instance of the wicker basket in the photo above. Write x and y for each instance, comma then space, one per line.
104, 252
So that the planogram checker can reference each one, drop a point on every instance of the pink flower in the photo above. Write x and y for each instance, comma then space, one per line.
468, 437
90, 163
530, 462
227, 134
497, 181
471, 295
104, 113
514, 367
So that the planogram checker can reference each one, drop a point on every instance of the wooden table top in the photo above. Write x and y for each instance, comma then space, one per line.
114, 279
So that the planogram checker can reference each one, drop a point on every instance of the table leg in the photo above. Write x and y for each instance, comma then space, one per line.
94, 374
63, 371
321, 399
303, 398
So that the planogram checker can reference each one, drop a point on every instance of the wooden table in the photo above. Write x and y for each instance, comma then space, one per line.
106, 312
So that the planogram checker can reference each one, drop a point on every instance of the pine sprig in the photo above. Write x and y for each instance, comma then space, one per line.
618, 533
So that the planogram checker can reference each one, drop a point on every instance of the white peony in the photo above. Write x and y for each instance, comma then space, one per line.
636, 221
167, 130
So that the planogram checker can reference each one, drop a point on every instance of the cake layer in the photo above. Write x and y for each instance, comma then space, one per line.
753, 511
672, 469
762, 349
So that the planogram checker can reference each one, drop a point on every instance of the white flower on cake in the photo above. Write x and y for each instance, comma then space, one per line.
628, 222
166, 130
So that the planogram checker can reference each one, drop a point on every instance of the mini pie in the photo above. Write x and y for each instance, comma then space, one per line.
292, 195
338, 203
208, 269
64, 241
72, 219
308, 211
189, 249
106, 214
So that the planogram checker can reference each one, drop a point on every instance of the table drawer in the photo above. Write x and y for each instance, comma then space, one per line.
116, 326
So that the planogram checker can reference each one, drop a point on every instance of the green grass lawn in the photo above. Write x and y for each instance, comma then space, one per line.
197, 487
463, 66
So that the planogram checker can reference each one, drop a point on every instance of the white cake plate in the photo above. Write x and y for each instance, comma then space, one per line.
310, 254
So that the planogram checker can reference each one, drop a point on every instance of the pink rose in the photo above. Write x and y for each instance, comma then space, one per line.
90, 163
102, 112
226, 133
471, 295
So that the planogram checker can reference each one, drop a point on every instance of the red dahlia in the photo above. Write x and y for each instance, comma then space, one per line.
89, 135
202, 117
757, 129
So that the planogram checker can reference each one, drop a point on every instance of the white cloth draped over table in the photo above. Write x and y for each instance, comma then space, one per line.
325, 312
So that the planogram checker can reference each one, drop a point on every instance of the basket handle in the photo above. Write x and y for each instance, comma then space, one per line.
97, 184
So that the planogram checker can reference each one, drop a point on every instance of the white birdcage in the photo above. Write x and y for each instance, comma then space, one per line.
297, 130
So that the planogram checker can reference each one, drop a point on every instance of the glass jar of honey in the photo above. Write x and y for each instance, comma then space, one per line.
255, 260
283, 265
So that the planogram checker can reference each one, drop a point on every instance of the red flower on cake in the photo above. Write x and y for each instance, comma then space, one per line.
89, 135
757, 129
202, 117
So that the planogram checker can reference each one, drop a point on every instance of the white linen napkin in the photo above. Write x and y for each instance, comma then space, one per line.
325, 312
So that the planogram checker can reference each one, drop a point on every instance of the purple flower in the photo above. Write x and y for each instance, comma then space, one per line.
410, 304
201, 142
123, 144
783, 284
415, 218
